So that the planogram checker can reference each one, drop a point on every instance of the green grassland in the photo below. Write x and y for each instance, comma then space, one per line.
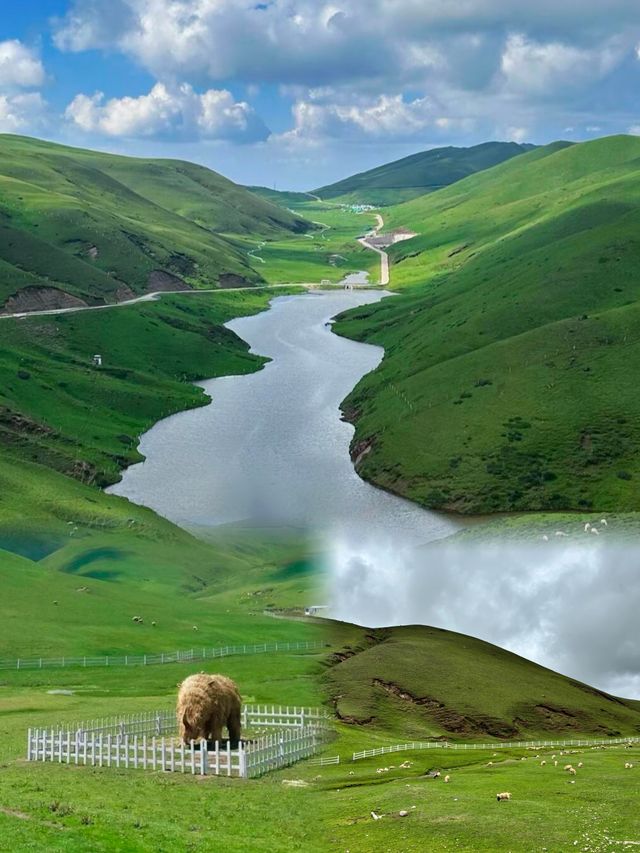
409, 684
508, 381
550, 810
419, 173
59, 412
96, 226
330, 252
76, 595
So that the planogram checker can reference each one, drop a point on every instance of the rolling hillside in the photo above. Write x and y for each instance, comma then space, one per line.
509, 381
416, 683
420, 173
84, 227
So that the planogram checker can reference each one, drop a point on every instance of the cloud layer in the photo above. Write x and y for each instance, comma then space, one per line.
374, 70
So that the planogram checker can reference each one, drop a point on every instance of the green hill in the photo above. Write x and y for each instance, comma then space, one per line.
282, 197
509, 380
420, 173
82, 225
416, 683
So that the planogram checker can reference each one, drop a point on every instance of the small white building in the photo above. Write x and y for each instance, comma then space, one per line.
315, 609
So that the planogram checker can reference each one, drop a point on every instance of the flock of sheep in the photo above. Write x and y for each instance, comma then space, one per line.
588, 528
503, 795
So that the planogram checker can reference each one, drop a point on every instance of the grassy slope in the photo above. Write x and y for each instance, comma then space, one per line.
483, 691
59, 204
509, 376
58, 411
416, 683
420, 173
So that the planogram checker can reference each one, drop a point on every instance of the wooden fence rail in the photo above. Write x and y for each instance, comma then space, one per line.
524, 744
194, 654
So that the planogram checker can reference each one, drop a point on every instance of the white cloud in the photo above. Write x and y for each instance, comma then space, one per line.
22, 113
517, 134
20, 67
533, 67
387, 117
311, 41
169, 112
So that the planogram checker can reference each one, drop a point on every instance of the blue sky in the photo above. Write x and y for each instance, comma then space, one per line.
297, 93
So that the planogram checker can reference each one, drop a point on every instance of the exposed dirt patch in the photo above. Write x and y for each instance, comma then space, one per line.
36, 298
161, 280
448, 718
360, 449
20, 423
232, 279
124, 292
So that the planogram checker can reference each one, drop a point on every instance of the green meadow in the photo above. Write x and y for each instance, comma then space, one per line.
327, 253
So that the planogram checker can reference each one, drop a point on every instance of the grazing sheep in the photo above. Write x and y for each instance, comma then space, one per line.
579, 763
587, 527
447, 778
561, 533
628, 765
555, 763
207, 703
195, 627
542, 763
603, 522
572, 771
154, 624
568, 766
505, 795
545, 538
595, 530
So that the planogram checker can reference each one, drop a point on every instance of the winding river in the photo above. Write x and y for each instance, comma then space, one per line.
271, 448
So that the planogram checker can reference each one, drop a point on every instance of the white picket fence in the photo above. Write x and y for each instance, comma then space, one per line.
202, 653
254, 718
147, 741
524, 744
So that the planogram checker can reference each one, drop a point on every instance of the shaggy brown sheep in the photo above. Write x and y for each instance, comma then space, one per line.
207, 703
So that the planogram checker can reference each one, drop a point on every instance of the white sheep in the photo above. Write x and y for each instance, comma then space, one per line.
580, 764
545, 538
628, 765
603, 522
561, 533
595, 530
572, 771
505, 795
587, 527
542, 763
447, 778
195, 627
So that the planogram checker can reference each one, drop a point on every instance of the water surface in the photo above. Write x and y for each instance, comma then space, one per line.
272, 448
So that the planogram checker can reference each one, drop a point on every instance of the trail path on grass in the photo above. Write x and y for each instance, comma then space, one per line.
384, 257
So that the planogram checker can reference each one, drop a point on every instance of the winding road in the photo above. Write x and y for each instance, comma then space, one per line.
151, 297
384, 257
